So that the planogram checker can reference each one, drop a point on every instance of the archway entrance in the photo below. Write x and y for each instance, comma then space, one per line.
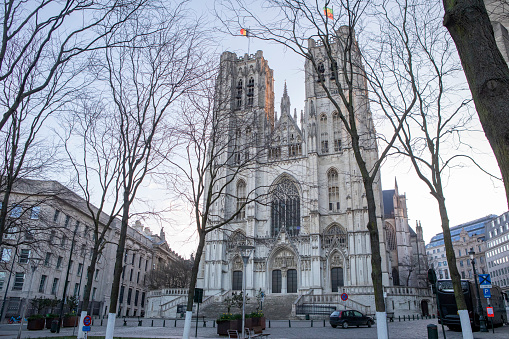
424, 308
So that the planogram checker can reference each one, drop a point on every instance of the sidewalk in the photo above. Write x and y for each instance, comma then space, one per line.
278, 330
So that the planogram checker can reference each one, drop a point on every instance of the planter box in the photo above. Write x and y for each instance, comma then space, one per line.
225, 325
36, 324
257, 322
71, 321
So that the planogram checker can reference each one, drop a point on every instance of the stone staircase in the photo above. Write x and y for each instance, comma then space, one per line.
274, 307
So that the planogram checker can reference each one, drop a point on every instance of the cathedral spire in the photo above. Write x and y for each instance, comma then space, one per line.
285, 103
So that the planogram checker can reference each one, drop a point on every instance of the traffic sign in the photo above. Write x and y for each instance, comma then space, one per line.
489, 310
87, 321
344, 297
487, 292
485, 280
86, 328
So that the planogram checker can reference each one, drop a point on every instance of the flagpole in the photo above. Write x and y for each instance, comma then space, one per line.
248, 41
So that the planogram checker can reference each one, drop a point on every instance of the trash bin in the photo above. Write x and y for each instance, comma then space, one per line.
54, 325
307, 316
432, 331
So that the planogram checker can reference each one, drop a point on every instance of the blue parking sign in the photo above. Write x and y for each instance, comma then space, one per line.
487, 292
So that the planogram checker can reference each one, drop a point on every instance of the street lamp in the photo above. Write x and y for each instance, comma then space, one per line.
482, 321
245, 251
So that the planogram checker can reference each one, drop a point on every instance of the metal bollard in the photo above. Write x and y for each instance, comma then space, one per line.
311, 322
269, 323
323, 322
433, 316
432, 331
175, 322
399, 318
413, 317
101, 322
204, 323
140, 324
125, 322
214, 324
289, 323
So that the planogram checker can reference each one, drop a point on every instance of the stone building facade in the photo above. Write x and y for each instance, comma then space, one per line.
310, 234
497, 250
465, 237
45, 217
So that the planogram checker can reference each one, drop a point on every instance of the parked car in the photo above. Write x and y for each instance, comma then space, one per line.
345, 318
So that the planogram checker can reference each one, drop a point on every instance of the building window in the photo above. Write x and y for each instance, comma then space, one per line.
94, 290
237, 281
333, 185
16, 211
56, 215
143, 299
67, 219
461, 263
24, 256
239, 94
321, 71
336, 278
59, 262
241, 199
276, 281
291, 281
19, 279
337, 132
63, 241
136, 296
54, 287
334, 236
80, 269
324, 135
121, 295
96, 274
76, 289
6, 254
250, 92
129, 294
131, 275
285, 208
2, 280
391, 237
138, 278
42, 283
34, 215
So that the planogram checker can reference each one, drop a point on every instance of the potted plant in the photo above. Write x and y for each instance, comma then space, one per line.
35, 322
257, 319
70, 320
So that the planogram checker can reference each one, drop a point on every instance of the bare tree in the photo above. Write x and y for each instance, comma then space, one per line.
432, 136
40, 38
145, 76
486, 72
175, 274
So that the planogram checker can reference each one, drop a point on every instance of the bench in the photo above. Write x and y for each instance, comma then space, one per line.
232, 333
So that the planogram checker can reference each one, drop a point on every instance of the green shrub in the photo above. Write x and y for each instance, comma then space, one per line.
36, 316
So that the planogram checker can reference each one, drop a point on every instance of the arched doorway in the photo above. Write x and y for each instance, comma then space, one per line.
424, 308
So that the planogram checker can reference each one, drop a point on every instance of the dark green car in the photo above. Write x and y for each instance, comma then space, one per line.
346, 318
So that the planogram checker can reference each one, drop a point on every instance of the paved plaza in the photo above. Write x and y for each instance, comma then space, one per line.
278, 330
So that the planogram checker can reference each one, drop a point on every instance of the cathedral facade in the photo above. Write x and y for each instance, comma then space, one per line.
308, 227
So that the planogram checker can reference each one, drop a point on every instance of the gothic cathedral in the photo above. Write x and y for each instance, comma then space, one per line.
309, 234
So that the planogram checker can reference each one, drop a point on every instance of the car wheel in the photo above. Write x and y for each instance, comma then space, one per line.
345, 324
370, 323
334, 326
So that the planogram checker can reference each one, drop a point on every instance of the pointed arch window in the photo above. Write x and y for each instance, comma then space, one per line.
335, 235
237, 156
336, 124
324, 136
241, 199
333, 186
237, 281
321, 71
285, 208
291, 281
239, 94
250, 92
276, 281
390, 235
336, 278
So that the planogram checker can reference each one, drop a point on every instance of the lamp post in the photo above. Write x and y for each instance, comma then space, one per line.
482, 321
245, 251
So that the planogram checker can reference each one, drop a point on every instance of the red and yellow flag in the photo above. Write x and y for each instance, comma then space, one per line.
243, 32
328, 12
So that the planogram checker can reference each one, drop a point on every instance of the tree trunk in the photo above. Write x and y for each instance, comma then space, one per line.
119, 261
192, 284
486, 72
453, 269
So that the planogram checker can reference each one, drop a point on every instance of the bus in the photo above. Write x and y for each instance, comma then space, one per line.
448, 312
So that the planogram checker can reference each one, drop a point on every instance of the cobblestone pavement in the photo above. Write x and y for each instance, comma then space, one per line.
278, 330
